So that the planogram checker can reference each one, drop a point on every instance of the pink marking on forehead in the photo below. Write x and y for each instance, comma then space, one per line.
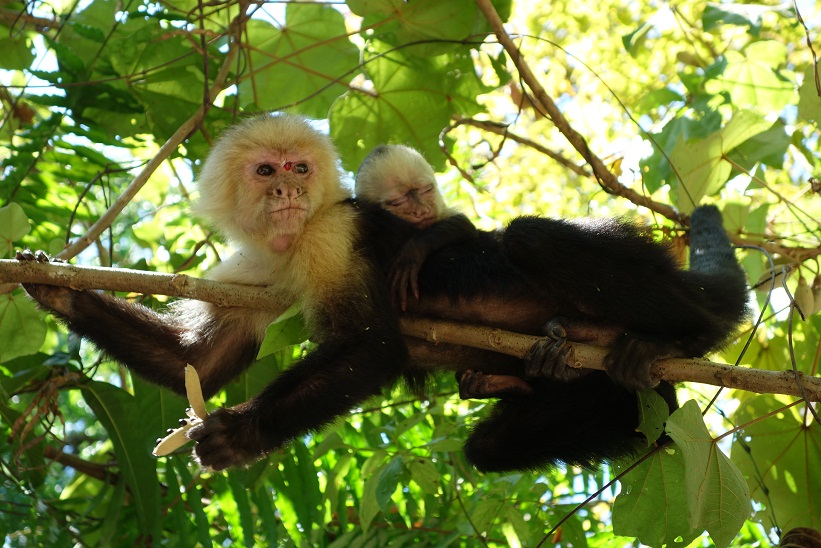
287, 166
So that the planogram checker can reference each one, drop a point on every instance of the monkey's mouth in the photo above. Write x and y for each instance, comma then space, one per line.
424, 223
288, 212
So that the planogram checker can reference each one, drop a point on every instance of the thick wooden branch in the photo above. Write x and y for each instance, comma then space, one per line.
137, 281
497, 340
592, 357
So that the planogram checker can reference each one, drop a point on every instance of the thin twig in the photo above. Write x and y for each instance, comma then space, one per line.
607, 179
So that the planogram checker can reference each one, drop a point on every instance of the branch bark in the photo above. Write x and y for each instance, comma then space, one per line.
487, 338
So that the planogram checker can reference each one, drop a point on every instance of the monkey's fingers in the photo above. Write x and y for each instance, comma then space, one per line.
399, 288
414, 281
176, 437
195, 414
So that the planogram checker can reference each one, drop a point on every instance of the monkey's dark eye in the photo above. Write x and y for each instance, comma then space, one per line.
301, 168
396, 202
265, 170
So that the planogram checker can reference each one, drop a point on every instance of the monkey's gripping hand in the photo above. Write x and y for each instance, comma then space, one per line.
228, 437
404, 273
223, 437
548, 358
630, 360
52, 297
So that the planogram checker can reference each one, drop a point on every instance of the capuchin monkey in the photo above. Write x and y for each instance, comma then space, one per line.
401, 181
271, 184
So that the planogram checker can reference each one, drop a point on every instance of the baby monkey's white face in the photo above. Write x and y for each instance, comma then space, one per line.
416, 202
399, 179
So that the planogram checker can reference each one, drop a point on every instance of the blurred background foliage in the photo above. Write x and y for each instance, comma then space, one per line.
684, 103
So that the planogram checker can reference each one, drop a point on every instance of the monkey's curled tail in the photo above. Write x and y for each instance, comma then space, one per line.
715, 267
710, 248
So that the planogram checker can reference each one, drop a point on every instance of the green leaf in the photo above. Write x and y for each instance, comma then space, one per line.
785, 449
22, 328
425, 474
651, 500
734, 14
119, 413
653, 413
410, 101
246, 518
307, 62
656, 168
809, 98
422, 20
13, 226
287, 330
388, 480
634, 41
719, 499
17, 53
369, 506
193, 498
750, 79
700, 164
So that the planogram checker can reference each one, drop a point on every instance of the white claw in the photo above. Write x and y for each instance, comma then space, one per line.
195, 415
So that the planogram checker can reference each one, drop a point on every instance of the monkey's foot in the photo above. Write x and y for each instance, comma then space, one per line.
548, 358
39, 256
55, 298
630, 360
477, 385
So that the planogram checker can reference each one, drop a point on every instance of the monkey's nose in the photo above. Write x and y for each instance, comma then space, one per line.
287, 191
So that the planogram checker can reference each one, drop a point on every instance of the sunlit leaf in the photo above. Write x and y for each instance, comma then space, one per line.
781, 455
22, 329
717, 494
700, 165
651, 503
118, 411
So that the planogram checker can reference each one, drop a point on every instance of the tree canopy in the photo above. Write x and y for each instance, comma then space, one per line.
636, 109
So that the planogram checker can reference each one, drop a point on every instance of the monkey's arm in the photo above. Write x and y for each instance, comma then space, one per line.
361, 354
404, 273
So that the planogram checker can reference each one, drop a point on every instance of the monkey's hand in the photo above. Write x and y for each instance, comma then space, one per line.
177, 437
477, 385
548, 358
629, 361
228, 437
52, 297
404, 273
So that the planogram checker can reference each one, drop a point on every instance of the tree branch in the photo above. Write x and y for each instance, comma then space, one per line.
607, 180
487, 338
592, 357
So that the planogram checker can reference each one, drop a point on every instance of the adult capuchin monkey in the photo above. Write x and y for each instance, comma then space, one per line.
271, 184
401, 181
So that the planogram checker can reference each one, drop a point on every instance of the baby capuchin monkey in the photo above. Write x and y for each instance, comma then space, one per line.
401, 181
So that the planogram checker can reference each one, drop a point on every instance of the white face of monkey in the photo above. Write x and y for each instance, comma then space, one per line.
399, 179
277, 195
266, 177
